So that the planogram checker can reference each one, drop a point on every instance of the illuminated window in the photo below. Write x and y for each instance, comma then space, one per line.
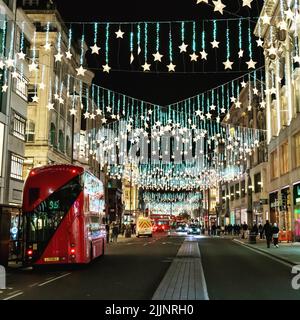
274, 164
18, 127
21, 87
284, 159
17, 164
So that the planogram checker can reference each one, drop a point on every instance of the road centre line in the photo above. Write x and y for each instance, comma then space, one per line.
13, 296
57, 278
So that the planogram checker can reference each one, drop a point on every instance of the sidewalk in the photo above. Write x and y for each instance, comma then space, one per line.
287, 252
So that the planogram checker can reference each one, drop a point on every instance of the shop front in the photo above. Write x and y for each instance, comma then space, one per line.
285, 216
274, 208
297, 211
244, 216
238, 217
232, 218
258, 214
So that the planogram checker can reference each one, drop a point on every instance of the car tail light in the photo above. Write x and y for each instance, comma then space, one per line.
29, 252
73, 251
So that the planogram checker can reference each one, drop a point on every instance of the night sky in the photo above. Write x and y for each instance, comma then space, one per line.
159, 88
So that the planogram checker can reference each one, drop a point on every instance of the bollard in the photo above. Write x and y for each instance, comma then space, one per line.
2, 278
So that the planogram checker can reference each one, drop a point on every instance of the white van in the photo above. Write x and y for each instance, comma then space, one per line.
144, 227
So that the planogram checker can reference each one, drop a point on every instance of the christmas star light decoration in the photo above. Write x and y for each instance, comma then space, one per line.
260, 43
255, 91
81, 71
247, 3
92, 116
15, 75
73, 112
200, 1
238, 105
215, 44
157, 56
2, 65
171, 67
219, 6
194, 57
228, 64
241, 53
33, 67
266, 19
243, 84
289, 14
86, 115
204, 55
223, 110
146, 67
42, 86
21, 55
283, 25
47, 46
119, 34
35, 99
106, 68
50, 106
297, 59
95, 49
69, 55
99, 112
58, 57
4, 88
251, 64
9, 63
183, 47
263, 104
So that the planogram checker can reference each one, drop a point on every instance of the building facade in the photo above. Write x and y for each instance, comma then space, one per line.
246, 199
280, 33
13, 101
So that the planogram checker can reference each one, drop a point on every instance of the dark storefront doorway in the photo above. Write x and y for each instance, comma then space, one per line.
10, 234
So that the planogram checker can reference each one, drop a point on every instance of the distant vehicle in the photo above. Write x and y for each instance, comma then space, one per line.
194, 229
182, 228
63, 208
161, 223
144, 227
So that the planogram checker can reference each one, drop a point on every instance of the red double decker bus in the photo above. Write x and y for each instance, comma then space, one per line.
63, 208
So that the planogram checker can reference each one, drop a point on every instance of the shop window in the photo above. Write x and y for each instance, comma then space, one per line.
17, 164
68, 146
284, 159
297, 149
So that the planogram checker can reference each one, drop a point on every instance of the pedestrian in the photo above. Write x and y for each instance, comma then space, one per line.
115, 233
275, 233
107, 232
255, 230
244, 230
261, 231
268, 233
123, 228
213, 230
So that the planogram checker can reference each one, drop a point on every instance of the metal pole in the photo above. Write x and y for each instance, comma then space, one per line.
72, 143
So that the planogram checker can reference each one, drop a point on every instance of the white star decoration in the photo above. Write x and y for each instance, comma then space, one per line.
106, 68
81, 71
119, 34
95, 49
146, 67
251, 64
215, 44
69, 55
204, 55
171, 67
157, 56
247, 3
228, 64
219, 6
194, 57
183, 47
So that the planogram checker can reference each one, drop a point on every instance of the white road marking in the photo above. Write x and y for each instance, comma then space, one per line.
33, 285
204, 284
47, 282
290, 265
14, 296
